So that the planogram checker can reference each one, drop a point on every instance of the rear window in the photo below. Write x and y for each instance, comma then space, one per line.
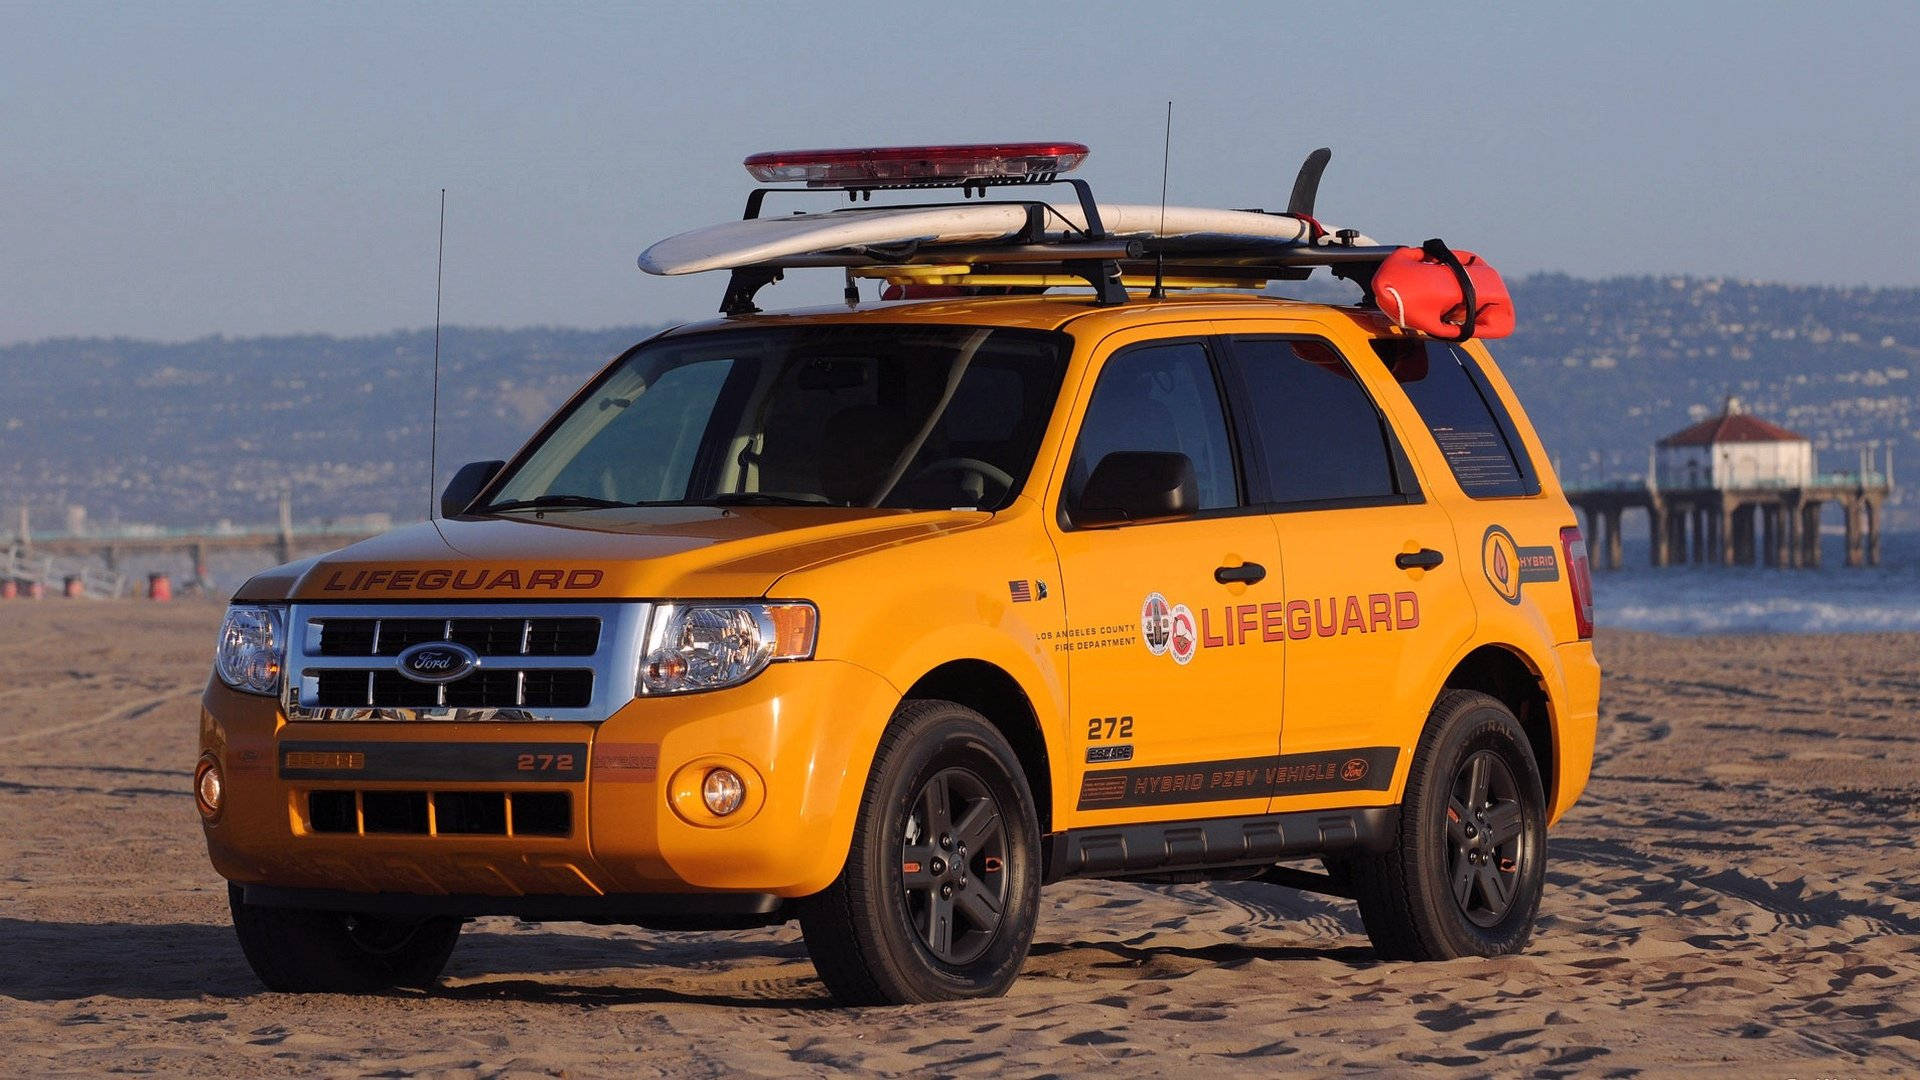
1465, 416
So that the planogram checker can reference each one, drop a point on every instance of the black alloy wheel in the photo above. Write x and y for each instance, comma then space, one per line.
953, 866
941, 888
1468, 865
1486, 840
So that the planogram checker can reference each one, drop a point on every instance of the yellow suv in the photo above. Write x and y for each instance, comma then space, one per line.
883, 617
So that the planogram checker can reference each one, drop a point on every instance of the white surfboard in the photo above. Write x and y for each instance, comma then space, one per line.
767, 240
759, 240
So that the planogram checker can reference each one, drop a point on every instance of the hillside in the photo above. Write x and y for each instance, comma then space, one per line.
205, 430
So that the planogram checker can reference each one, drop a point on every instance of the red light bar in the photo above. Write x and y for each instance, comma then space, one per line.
882, 165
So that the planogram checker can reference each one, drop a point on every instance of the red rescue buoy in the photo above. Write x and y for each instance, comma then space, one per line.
72, 587
1422, 289
159, 587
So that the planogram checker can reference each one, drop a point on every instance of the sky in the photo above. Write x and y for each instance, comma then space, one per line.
179, 170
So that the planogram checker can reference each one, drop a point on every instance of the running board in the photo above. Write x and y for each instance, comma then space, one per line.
1123, 851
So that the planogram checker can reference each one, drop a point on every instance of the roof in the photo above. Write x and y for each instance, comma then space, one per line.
1732, 426
1047, 312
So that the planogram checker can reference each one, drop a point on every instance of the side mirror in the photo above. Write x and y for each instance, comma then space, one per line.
466, 486
1138, 485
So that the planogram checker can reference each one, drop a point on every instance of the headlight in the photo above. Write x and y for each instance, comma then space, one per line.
708, 646
253, 649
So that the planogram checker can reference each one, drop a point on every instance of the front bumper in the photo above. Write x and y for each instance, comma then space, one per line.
385, 821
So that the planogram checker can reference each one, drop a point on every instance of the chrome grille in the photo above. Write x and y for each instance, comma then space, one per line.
489, 688
537, 661
539, 636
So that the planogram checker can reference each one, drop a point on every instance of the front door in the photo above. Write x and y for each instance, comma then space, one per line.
1175, 680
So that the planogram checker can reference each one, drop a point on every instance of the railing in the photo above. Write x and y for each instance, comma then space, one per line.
189, 533
49, 572
1867, 480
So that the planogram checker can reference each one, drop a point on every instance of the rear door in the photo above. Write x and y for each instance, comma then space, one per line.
1375, 606
1176, 703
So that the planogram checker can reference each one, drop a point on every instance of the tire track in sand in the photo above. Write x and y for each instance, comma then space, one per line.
127, 711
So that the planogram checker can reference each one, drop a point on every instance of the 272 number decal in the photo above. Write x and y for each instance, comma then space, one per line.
544, 763
1110, 727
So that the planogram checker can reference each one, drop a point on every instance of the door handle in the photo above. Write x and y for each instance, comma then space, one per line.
1245, 574
1424, 559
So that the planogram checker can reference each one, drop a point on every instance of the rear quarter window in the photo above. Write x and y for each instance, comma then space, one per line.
1467, 419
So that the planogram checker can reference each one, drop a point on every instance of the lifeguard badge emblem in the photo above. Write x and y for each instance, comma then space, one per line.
1186, 636
1156, 624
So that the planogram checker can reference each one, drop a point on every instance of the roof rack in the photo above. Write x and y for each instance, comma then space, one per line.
1053, 250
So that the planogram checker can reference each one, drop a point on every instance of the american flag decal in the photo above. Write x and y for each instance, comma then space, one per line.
1022, 591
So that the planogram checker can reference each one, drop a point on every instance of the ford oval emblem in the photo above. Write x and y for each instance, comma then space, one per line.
437, 661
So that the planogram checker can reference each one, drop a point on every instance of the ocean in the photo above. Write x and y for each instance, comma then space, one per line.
1751, 600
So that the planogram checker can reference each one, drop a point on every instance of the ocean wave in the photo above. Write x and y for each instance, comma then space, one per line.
1776, 615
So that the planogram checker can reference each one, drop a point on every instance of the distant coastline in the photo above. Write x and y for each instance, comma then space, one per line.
190, 433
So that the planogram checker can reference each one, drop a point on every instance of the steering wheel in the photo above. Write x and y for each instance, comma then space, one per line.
984, 469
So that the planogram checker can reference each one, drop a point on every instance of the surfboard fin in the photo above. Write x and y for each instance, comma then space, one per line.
1306, 186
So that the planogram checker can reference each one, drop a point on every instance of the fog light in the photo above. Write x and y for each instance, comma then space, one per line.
723, 791
208, 788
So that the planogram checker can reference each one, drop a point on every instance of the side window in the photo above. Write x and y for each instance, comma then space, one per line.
1465, 415
1319, 433
1160, 398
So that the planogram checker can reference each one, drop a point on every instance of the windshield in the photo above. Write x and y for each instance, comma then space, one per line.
896, 416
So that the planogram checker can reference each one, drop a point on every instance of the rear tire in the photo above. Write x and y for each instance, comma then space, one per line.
941, 888
300, 951
1465, 876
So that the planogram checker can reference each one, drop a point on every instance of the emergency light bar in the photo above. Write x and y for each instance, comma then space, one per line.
884, 166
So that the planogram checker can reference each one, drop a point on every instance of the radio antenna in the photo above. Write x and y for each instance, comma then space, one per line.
1160, 255
433, 428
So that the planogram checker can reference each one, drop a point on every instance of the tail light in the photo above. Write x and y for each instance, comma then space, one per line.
1579, 578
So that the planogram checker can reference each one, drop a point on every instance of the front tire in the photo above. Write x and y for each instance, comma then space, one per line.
941, 887
301, 951
1466, 873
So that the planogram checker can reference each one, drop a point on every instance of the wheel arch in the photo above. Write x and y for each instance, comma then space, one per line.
1506, 674
991, 691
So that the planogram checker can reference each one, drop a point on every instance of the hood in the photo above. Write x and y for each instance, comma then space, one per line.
624, 553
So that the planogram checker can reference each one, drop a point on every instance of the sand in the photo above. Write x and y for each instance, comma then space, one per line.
1736, 895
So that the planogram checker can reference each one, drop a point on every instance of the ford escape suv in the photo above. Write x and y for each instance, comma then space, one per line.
882, 618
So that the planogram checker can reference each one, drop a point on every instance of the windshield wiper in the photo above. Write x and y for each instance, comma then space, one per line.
760, 498
554, 502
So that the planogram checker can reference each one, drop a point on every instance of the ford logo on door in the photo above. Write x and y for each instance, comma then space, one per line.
438, 661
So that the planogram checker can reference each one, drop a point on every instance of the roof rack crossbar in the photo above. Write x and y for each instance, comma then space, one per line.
1252, 256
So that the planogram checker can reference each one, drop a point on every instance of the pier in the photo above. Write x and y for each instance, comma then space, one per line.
91, 563
1737, 526
1736, 490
